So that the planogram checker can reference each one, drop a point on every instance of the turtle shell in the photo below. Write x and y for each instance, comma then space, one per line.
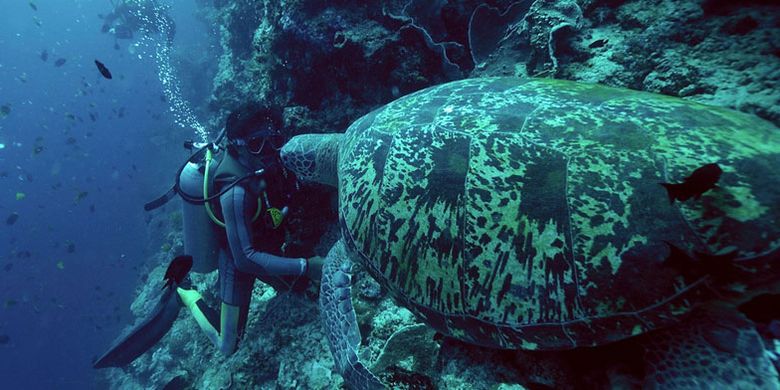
528, 213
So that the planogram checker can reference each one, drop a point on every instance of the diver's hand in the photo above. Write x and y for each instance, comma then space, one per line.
314, 267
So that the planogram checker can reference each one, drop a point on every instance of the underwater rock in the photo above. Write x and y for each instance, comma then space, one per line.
547, 22
411, 348
489, 25
673, 77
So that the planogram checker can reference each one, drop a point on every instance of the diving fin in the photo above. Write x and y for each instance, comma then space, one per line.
145, 335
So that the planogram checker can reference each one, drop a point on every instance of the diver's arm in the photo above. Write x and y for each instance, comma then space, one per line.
247, 259
227, 320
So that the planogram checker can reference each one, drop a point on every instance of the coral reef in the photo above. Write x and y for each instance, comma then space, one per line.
328, 63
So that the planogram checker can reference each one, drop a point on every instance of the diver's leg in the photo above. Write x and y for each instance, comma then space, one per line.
715, 349
223, 328
340, 321
206, 317
235, 291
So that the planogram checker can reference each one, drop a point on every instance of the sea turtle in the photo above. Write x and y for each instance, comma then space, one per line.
527, 214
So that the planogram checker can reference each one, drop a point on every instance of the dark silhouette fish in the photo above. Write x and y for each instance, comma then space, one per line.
720, 267
177, 270
33, 6
103, 70
598, 43
44, 55
12, 218
700, 181
60, 62
177, 383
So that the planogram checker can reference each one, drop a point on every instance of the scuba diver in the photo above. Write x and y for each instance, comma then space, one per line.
236, 226
130, 16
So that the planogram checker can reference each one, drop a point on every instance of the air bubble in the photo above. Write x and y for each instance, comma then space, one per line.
156, 25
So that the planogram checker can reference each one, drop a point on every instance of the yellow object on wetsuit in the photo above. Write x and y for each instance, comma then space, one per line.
276, 216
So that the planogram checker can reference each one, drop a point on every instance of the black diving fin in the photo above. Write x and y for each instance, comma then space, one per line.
153, 328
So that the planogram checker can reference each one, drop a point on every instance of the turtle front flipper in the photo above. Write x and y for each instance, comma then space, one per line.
340, 321
716, 349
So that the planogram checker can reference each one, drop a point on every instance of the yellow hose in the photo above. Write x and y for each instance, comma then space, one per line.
209, 157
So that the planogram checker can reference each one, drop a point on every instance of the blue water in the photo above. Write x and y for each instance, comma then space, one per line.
60, 309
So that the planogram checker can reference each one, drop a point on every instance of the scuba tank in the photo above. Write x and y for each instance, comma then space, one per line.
200, 234
194, 183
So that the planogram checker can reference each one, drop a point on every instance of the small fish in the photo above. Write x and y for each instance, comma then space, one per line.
177, 383
80, 196
700, 264
700, 181
38, 149
598, 43
60, 62
61, 264
116, 46
177, 270
719, 267
20, 195
44, 55
103, 70
33, 6
5, 109
71, 247
12, 218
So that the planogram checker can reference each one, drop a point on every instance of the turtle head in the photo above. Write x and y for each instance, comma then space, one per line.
313, 157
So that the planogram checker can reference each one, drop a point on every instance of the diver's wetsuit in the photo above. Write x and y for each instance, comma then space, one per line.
245, 260
246, 263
